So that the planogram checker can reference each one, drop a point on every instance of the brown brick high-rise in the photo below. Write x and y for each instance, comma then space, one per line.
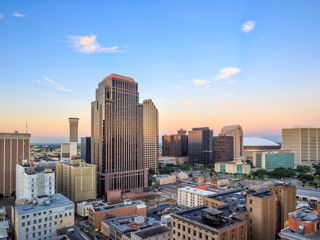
14, 147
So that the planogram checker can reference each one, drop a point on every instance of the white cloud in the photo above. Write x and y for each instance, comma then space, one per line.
248, 26
1, 16
201, 82
177, 87
226, 72
89, 44
51, 83
18, 14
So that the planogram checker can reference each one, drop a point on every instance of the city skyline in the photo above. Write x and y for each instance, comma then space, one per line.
207, 65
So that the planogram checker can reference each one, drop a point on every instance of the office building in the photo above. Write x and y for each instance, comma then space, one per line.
254, 144
305, 142
222, 147
166, 146
76, 180
179, 144
150, 135
32, 181
192, 197
14, 147
236, 132
86, 149
233, 167
303, 224
117, 135
200, 146
84, 206
208, 223
274, 159
41, 219
285, 196
127, 208
70, 150
261, 207
164, 179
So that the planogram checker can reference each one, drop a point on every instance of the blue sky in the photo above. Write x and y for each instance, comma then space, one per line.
204, 63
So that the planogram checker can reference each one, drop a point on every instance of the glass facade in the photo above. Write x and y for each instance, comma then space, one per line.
277, 160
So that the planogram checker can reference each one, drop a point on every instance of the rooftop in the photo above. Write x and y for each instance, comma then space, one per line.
289, 234
56, 201
304, 214
258, 142
131, 223
154, 231
308, 193
262, 193
196, 191
100, 207
211, 219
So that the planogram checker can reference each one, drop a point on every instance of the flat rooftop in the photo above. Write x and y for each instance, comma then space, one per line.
154, 231
288, 233
260, 193
196, 191
304, 214
131, 223
195, 216
104, 206
308, 193
56, 201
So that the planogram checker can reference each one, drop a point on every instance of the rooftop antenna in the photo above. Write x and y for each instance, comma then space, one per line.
26, 127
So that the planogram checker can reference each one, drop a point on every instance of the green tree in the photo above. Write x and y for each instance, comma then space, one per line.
303, 169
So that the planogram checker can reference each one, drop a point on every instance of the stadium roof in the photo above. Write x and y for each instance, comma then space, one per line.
254, 141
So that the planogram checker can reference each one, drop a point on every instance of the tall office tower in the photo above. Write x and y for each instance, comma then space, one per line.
86, 149
73, 125
14, 147
73, 122
200, 145
166, 145
32, 181
117, 135
285, 195
236, 132
179, 144
150, 135
222, 147
305, 142
76, 180
261, 207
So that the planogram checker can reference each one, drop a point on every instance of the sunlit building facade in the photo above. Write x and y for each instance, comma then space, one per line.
237, 133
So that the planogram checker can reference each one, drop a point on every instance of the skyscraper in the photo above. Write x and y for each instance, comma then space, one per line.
305, 142
200, 145
222, 148
73, 122
117, 135
14, 147
70, 150
237, 133
150, 135
166, 145
86, 149
179, 144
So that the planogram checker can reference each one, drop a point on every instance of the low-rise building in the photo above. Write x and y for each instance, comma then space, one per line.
165, 179
33, 181
191, 197
308, 195
153, 233
43, 217
84, 206
208, 223
4, 224
233, 167
127, 208
76, 180
303, 224
273, 159
122, 227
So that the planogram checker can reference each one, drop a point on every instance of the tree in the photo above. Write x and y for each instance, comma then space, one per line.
282, 173
303, 169
316, 168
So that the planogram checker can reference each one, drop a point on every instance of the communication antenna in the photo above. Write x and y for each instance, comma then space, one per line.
26, 127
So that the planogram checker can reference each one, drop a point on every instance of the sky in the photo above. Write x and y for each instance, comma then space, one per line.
203, 63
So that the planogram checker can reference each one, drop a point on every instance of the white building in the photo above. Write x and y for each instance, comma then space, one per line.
32, 181
41, 218
192, 197
84, 206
